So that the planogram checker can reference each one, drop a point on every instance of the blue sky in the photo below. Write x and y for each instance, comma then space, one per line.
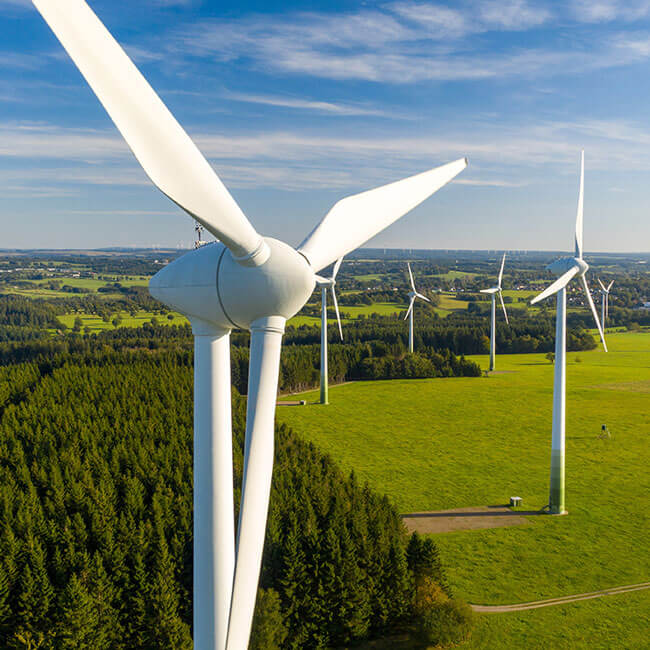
299, 104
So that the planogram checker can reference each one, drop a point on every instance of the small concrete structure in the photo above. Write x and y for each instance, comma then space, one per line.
515, 502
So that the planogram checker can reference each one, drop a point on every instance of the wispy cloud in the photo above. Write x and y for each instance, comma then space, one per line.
600, 11
330, 108
405, 42
500, 155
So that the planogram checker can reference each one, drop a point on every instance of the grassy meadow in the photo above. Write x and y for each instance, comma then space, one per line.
445, 443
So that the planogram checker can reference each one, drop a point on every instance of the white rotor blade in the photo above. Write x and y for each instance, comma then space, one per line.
356, 219
503, 261
419, 295
602, 286
560, 283
585, 286
610, 286
264, 365
410, 308
408, 264
579, 216
166, 153
505, 313
337, 266
336, 308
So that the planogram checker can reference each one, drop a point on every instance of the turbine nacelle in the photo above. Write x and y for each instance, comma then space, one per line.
565, 264
210, 285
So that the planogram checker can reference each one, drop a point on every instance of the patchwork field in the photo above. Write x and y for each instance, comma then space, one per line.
95, 324
453, 443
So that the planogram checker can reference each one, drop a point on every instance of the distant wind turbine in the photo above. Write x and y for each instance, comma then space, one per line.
567, 268
413, 294
493, 291
325, 284
604, 302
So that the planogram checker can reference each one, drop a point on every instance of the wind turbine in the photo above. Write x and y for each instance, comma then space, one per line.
413, 295
493, 291
325, 284
604, 302
567, 268
243, 281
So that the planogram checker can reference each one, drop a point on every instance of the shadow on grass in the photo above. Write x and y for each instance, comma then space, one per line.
475, 513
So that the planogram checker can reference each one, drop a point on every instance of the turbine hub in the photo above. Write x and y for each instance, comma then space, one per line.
209, 285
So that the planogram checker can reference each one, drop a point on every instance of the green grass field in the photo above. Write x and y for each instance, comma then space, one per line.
454, 275
444, 443
96, 324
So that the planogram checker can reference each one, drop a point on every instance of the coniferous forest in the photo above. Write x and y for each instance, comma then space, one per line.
96, 517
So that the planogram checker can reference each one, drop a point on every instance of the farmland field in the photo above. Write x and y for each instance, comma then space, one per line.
445, 443
94, 323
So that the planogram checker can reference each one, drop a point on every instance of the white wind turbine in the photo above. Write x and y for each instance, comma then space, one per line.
325, 284
413, 295
567, 268
243, 281
493, 291
604, 302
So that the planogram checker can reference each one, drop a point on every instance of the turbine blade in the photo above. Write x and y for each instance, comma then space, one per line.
610, 286
336, 308
579, 216
408, 264
356, 219
167, 154
419, 295
602, 286
264, 365
505, 313
585, 286
560, 283
410, 308
337, 266
503, 261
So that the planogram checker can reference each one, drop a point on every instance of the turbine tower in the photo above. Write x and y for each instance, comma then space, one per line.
493, 291
325, 284
604, 302
413, 295
242, 281
567, 268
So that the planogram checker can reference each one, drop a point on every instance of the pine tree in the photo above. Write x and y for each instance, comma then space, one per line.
269, 631
78, 625
166, 629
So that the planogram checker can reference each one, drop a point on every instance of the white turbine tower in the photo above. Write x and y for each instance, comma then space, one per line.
325, 284
604, 302
493, 291
413, 295
567, 268
243, 281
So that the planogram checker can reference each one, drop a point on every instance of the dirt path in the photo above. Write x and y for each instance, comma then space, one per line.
474, 518
499, 609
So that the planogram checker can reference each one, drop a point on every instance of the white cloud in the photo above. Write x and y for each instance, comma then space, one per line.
406, 42
500, 155
600, 11
332, 108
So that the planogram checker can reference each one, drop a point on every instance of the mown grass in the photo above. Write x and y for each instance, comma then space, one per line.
444, 443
